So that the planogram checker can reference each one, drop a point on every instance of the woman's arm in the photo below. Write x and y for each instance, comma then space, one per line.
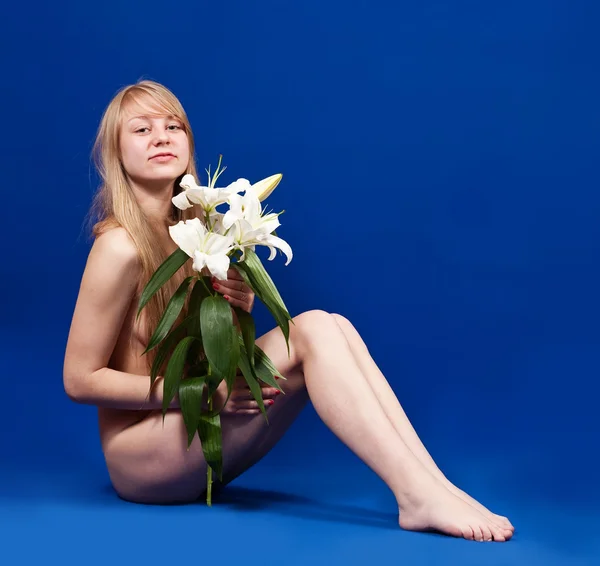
108, 286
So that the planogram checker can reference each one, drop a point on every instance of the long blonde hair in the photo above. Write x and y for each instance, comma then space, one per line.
115, 205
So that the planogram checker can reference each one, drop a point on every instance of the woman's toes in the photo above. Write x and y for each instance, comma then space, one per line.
478, 533
497, 533
506, 522
487, 534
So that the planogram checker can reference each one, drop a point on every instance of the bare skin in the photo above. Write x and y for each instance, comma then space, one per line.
398, 418
148, 460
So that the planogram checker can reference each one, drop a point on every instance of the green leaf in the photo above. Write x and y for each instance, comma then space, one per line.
170, 315
190, 400
252, 382
261, 283
212, 383
248, 331
209, 431
166, 347
200, 368
166, 270
263, 280
219, 337
242, 269
198, 294
234, 360
263, 368
174, 371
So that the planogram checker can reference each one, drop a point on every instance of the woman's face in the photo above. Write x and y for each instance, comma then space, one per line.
154, 147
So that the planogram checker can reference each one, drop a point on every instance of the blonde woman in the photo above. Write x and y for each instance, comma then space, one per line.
143, 148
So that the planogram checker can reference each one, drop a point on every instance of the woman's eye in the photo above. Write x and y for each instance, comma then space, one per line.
140, 129
174, 126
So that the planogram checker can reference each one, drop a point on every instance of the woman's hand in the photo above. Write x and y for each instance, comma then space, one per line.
235, 290
241, 401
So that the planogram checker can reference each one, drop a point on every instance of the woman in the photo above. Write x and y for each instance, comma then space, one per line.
143, 148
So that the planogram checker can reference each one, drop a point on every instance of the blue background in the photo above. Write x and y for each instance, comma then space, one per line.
441, 191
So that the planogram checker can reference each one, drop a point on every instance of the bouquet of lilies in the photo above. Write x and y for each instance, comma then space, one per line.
207, 343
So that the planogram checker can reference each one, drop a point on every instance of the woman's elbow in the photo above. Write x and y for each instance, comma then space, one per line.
76, 386
72, 387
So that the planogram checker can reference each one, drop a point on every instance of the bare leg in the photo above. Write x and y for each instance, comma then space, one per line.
322, 361
398, 418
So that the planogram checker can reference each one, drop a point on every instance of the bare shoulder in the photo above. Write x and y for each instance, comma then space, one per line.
114, 255
109, 283
115, 245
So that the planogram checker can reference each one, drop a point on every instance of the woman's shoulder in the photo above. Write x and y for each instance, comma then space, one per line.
114, 249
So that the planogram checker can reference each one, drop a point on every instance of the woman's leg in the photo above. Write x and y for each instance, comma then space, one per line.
322, 362
397, 416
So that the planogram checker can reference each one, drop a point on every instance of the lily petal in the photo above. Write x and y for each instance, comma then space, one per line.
199, 260
217, 244
229, 219
196, 195
181, 201
238, 186
218, 265
188, 182
196, 224
274, 242
186, 236
216, 220
243, 232
268, 223
251, 207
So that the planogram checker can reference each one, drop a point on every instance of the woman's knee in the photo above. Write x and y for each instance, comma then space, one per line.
314, 322
341, 320
324, 319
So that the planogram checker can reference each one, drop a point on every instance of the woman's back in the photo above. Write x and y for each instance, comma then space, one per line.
104, 366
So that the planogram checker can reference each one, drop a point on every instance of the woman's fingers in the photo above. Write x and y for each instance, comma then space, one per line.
242, 401
236, 292
231, 286
247, 407
246, 394
241, 405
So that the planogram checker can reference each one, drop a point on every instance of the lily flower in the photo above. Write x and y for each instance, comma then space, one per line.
208, 249
207, 197
248, 208
251, 228
264, 188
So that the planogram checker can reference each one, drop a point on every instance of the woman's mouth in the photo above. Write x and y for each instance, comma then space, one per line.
162, 157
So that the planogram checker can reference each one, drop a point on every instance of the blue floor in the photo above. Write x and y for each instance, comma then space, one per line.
286, 510
310, 501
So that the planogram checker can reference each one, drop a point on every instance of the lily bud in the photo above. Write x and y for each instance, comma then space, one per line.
264, 188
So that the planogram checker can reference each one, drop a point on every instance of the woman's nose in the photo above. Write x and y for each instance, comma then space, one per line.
161, 137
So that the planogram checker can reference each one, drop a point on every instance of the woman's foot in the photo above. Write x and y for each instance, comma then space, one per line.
439, 510
500, 520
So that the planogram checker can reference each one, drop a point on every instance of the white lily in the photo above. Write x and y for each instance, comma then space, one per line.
248, 208
264, 188
272, 242
250, 228
207, 197
206, 248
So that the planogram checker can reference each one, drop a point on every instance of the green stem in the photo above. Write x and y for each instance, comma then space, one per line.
209, 469
203, 283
